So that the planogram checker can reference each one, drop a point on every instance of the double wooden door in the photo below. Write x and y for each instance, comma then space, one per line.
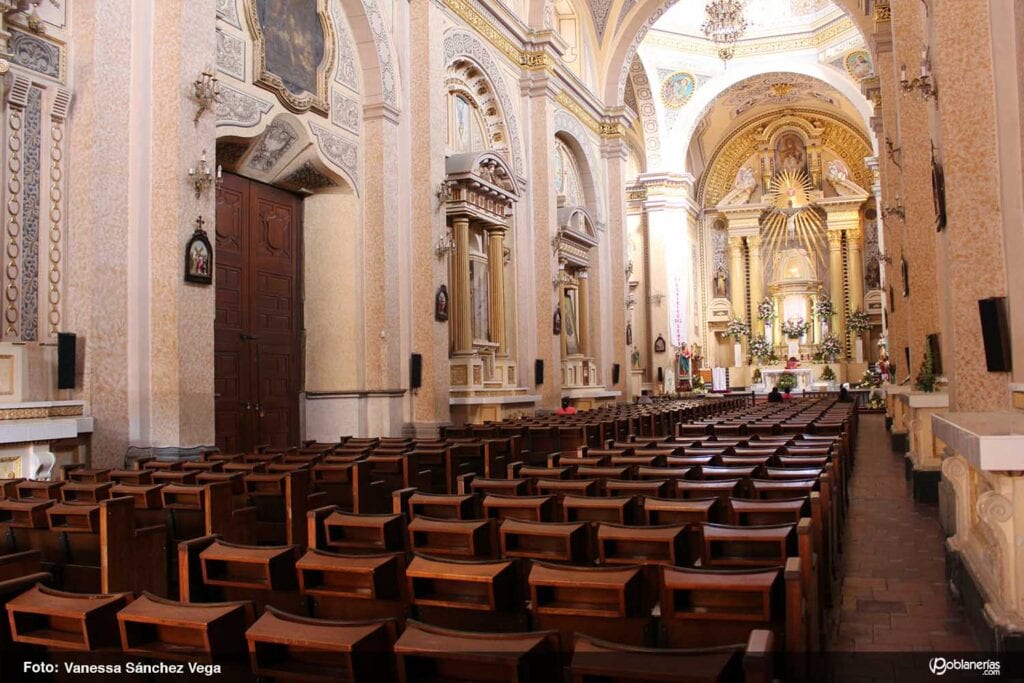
257, 366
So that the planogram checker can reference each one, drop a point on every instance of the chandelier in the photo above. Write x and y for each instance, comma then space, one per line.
725, 24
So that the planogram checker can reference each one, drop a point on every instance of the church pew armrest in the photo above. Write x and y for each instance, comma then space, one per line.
757, 661
796, 635
400, 501
316, 535
514, 467
190, 569
15, 565
463, 483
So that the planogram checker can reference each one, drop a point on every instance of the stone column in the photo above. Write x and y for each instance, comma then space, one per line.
835, 274
777, 326
756, 281
583, 301
737, 278
462, 325
855, 268
496, 260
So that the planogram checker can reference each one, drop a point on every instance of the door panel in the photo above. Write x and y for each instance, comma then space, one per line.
256, 365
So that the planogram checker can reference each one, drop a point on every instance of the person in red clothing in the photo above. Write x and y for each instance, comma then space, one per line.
566, 408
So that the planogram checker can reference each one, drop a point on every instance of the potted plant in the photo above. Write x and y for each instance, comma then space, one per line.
926, 375
828, 375
786, 382
766, 312
858, 323
831, 348
794, 329
760, 348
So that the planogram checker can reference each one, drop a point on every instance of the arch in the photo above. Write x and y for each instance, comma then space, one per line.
376, 52
466, 77
461, 43
571, 132
488, 166
680, 136
647, 111
636, 24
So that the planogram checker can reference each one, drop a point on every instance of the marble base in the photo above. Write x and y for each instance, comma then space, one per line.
330, 415
990, 634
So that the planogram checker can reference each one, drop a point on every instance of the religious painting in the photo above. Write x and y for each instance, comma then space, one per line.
938, 192
790, 154
629, 334
441, 304
677, 89
721, 284
479, 298
293, 46
659, 344
556, 321
569, 320
858, 64
199, 257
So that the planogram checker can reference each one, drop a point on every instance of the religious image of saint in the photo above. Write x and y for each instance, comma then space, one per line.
721, 284
636, 358
791, 153
199, 260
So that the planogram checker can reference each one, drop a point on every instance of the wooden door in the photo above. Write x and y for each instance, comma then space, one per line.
257, 350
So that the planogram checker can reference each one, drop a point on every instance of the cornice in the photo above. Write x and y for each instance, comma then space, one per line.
816, 39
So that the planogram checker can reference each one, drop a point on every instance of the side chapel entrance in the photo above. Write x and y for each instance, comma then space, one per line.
257, 343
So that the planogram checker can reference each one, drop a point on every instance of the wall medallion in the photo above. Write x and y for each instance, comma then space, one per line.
199, 256
677, 89
293, 51
858, 64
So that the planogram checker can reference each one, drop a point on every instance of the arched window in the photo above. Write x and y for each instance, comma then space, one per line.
567, 24
465, 126
568, 184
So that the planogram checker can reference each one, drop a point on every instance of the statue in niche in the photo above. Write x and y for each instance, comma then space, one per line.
721, 284
873, 276
743, 187
838, 176
790, 154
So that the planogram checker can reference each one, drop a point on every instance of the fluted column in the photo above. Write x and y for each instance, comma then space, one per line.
835, 274
855, 270
756, 280
462, 324
583, 301
737, 278
496, 261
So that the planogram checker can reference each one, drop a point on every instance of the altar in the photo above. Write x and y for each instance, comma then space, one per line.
804, 377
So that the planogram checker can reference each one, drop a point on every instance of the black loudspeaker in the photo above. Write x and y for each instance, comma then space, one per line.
661, 374
538, 371
415, 371
995, 330
615, 373
66, 343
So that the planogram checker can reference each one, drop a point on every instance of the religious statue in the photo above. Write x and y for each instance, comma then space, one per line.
684, 361
791, 154
721, 284
873, 276
838, 176
636, 358
742, 187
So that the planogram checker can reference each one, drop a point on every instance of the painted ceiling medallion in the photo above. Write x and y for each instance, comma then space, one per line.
677, 89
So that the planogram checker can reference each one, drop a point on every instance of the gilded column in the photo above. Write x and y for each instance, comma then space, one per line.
583, 299
496, 260
756, 280
737, 278
855, 271
777, 325
462, 326
835, 274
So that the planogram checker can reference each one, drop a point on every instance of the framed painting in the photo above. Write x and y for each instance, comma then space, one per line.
199, 257
441, 304
677, 89
659, 344
293, 51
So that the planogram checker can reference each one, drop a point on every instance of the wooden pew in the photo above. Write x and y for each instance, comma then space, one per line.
414, 504
598, 661
614, 509
286, 647
155, 627
551, 541
662, 544
19, 571
205, 510
473, 595
328, 528
346, 586
430, 653
465, 539
612, 603
281, 501
529, 508
65, 622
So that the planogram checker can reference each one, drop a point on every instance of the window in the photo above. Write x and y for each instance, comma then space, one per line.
568, 184
465, 129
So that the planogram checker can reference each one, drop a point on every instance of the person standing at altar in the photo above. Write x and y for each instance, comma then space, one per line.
792, 363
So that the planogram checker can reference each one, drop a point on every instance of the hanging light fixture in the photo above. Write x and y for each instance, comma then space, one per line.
725, 24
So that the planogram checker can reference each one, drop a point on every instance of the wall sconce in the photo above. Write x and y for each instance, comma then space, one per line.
898, 210
205, 91
629, 268
630, 302
923, 84
444, 192
657, 298
445, 245
202, 176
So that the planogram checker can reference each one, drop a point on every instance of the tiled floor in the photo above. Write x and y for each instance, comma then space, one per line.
894, 595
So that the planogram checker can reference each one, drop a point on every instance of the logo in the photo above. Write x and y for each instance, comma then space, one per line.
985, 667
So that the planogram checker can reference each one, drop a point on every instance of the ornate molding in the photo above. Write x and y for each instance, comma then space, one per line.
994, 508
236, 108
882, 12
339, 151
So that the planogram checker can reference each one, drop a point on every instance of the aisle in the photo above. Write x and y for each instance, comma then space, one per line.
894, 595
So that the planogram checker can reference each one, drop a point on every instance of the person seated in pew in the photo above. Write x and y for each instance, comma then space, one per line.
774, 396
566, 408
645, 399
844, 394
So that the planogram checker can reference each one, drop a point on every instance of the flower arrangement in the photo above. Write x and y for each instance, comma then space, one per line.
698, 385
828, 375
760, 347
824, 309
766, 310
757, 378
737, 329
794, 328
926, 375
787, 382
858, 323
876, 402
831, 348
869, 379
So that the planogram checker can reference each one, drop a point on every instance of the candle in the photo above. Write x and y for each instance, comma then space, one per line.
924, 69
903, 72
